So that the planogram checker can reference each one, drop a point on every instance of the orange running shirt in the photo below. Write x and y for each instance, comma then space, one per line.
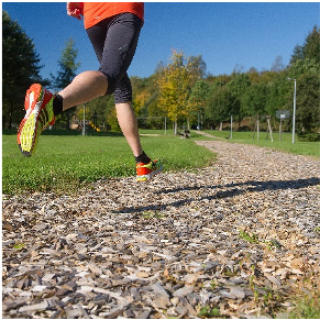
94, 12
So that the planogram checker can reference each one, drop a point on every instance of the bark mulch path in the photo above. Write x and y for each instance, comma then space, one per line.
237, 239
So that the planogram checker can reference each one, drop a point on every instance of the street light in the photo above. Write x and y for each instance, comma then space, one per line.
294, 109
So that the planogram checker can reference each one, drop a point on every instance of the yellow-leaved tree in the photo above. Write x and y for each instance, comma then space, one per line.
174, 83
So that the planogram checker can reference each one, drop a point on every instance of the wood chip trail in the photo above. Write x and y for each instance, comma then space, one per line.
224, 238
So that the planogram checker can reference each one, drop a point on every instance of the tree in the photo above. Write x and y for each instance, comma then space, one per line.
278, 64
306, 66
152, 97
253, 75
311, 49
198, 99
276, 94
20, 69
297, 54
174, 88
101, 112
308, 111
221, 106
197, 68
68, 67
140, 96
238, 86
255, 100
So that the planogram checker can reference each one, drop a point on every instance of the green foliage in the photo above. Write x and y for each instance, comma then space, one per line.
277, 92
252, 238
221, 105
181, 91
101, 112
308, 111
207, 312
304, 67
297, 54
309, 137
310, 49
255, 99
199, 97
307, 307
67, 65
18, 246
238, 86
20, 68
66, 73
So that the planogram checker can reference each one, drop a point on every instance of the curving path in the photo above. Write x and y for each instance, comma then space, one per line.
236, 239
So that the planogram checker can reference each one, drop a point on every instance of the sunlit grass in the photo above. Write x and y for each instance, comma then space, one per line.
285, 144
64, 163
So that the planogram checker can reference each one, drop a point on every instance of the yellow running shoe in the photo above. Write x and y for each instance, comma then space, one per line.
38, 104
147, 171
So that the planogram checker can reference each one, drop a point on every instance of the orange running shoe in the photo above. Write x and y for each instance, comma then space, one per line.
38, 104
147, 171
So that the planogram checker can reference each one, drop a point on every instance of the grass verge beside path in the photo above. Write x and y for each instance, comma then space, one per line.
285, 145
64, 163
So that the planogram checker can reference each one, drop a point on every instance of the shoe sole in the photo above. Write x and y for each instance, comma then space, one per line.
32, 106
33, 102
27, 136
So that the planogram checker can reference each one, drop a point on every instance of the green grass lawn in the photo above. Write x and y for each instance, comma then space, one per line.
64, 163
286, 145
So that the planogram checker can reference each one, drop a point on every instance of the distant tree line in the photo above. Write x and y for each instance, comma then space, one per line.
182, 92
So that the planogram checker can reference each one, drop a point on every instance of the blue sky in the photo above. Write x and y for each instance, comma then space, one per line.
246, 34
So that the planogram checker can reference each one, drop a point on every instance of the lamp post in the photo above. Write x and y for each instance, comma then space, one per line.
294, 108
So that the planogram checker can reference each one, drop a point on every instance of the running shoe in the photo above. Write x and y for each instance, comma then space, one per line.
38, 104
147, 171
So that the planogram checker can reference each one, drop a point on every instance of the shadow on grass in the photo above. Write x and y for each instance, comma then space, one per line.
233, 190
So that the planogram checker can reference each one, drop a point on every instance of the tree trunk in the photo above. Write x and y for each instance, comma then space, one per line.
269, 128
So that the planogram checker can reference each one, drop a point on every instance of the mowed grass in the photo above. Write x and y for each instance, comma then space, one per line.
285, 144
65, 163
